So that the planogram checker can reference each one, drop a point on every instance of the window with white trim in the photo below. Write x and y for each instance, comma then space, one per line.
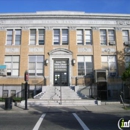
127, 61
107, 37
13, 93
32, 36
12, 63
64, 36
9, 37
80, 37
103, 37
111, 35
125, 35
56, 36
85, 65
88, 37
13, 37
109, 63
17, 37
36, 65
5, 93
41, 37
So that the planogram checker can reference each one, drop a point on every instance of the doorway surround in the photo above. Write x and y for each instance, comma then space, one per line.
60, 53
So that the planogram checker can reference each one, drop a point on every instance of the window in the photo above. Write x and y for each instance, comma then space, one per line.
125, 34
103, 37
32, 36
88, 37
12, 63
109, 63
56, 36
111, 35
64, 36
107, 37
80, 37
127, 61
36, 65
13, 93
17, 37
10, 37
41, 36
85, 65
5, 93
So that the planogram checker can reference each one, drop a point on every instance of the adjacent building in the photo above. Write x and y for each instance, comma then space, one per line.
62, 48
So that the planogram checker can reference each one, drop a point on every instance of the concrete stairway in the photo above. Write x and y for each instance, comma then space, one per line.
57, 93
59, 96
80, 102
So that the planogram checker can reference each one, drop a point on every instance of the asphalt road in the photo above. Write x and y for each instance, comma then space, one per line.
61, 121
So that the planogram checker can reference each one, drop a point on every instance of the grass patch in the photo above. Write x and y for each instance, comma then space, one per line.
2, 99
17, 99
14, 99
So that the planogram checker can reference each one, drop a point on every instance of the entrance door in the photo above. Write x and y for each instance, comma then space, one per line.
61, 72
60, 79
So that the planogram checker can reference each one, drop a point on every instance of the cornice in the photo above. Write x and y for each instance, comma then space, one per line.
64, 14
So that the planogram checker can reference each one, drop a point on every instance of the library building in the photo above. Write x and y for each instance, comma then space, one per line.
85, 52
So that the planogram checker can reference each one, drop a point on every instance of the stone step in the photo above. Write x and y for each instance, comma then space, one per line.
59, 102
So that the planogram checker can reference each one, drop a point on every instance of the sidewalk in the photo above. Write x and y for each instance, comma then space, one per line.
48, 109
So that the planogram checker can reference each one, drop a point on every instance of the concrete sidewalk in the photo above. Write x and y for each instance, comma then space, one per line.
48, 109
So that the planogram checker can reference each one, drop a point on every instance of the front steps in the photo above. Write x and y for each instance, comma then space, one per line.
59, 96
80, 102
58, 92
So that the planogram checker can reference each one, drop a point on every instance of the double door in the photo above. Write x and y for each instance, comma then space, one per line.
60, 79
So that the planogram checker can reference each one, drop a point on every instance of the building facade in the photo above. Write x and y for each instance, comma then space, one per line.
62, 48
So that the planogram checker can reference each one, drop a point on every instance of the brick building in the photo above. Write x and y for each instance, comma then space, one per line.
62, 48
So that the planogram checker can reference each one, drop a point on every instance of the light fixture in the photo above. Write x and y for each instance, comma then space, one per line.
73, 61
46, 61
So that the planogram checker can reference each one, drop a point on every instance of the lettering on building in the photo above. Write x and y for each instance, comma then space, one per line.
12, 50
36, 49
84, 50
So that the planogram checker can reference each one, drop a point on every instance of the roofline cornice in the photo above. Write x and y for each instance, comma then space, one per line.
63, 15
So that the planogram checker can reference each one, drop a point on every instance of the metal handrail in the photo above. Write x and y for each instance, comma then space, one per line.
60, 95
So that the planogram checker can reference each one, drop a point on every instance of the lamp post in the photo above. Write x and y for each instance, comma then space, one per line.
26, 78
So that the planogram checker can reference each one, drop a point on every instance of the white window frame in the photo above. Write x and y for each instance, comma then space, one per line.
12, 64
43, 35
65, 35
85, 59
88, 35
13, 37
111, 35
18, 35
8, 36
81, 35
36, 64
108, 62
125, 36
30, 39
103, 35
57, 35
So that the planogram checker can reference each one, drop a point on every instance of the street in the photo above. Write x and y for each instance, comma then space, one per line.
61, 121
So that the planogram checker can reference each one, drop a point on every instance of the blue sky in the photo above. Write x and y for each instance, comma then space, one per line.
89, 6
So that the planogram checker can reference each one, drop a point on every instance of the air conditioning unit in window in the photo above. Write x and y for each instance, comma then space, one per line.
101, 75
127, 43
112, 43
